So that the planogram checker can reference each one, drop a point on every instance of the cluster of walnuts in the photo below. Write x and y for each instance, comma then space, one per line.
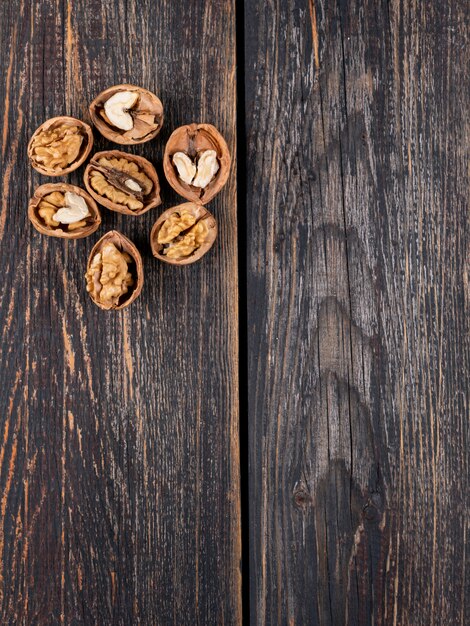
196, 164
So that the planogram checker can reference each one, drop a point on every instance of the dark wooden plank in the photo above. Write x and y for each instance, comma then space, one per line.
119, 432
358, 346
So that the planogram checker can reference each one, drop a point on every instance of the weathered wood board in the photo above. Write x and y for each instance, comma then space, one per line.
119, 458
358, 339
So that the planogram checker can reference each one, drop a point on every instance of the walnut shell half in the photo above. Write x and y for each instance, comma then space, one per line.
192, 144
60, 146
183, 234
48, 199
122, 182
145, 115
115, 273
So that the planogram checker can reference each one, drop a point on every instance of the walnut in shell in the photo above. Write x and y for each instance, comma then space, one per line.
127, 114
60, 145
183, 234
123, 182
114, 274
197, 162
62, 210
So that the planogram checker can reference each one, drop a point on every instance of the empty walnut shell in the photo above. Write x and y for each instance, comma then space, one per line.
201, 218
192, 140
72, 141
124, 245
116, 177
92, 221
147, 114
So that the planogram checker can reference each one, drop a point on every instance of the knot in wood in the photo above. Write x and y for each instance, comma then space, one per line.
372, 511
369, 512
302, 498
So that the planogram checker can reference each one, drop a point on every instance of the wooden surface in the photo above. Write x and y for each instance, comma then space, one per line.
119, 461
357, 235
119, 432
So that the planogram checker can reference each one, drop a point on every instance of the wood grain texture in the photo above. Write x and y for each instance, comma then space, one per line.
119, 467
358, 338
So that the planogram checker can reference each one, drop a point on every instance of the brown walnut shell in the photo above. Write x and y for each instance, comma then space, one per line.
193, 139
142, 131
150, 201
124, 245
85, 147
93, 221
201, 214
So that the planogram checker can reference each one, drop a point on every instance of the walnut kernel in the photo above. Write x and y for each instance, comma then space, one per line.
60, 145
114, 274
198, 174
127, 114
197, 162
107, 190
117, 109
108, 277
186, 244
174, 225
123, 182
62, 210
207, 168
185, 166
183, 234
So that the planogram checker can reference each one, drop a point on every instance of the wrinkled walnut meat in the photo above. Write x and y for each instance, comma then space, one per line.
60, 145
127, 114
123, 182
197, 162
108, 278
62, 210
183, 234
114, 274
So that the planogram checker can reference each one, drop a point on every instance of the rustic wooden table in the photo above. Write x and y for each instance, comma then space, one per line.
298, 398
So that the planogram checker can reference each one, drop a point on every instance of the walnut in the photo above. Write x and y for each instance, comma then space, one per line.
207, 168
186, 244
183, 234
200, 174
117, 109
107, 277
137, 180
174, 225
132, 185
197, 162
123, 182
127, 114
185, 167
69, 208
114, 276
62, 210
73, 210
103, 188
60, 145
